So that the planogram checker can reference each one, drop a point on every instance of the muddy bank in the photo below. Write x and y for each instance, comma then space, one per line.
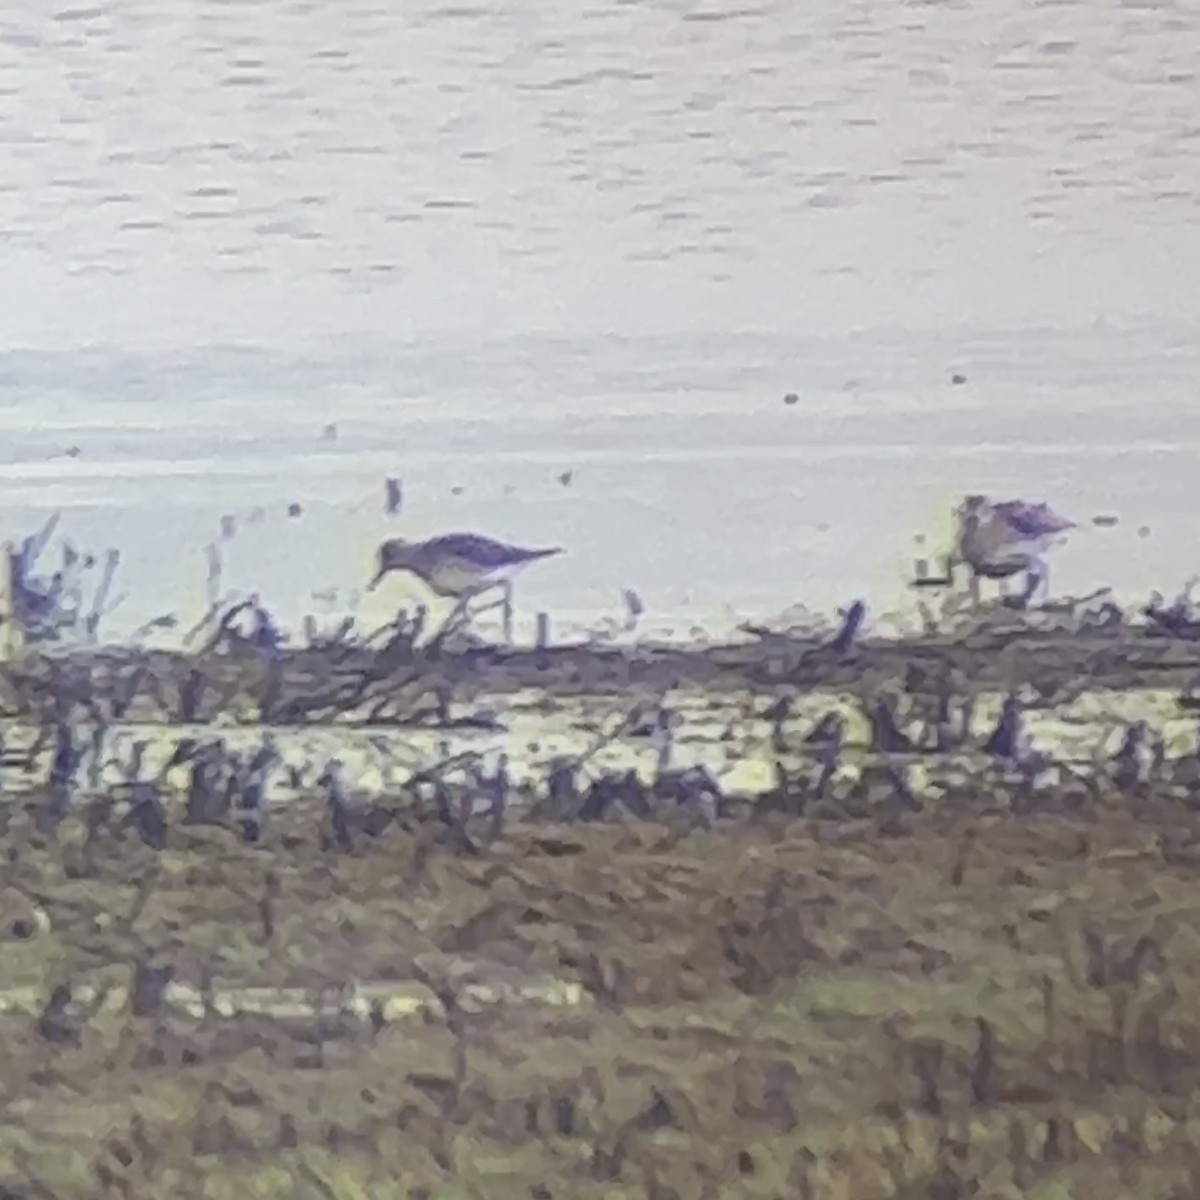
407, 685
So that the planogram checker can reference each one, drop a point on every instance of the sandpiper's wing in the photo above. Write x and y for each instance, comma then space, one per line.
1032, 520
989, 538
484, 551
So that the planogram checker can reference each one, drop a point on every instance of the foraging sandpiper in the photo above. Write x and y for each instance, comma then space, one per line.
997, 540
459, 566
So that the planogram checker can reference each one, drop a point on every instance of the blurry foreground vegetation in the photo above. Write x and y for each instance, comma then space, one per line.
938, 1005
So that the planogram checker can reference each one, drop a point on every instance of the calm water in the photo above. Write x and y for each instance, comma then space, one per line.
496, 244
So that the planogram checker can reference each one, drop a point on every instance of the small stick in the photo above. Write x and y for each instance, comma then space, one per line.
10, 616
100, 605
214, 574
508, 616
394, 496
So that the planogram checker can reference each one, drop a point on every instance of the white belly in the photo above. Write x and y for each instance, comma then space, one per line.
991, 546
458, 578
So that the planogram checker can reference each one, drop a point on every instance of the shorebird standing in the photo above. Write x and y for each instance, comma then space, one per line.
1000, 539
459, 566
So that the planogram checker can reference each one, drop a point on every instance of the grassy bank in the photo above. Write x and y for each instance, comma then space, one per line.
942, 1005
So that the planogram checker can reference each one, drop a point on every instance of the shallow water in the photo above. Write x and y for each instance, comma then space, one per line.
495, 244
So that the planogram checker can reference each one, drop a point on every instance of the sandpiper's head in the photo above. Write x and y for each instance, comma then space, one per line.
972, 516
973, 507
393, 555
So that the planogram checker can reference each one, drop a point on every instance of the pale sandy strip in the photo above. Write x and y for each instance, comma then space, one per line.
393, 1001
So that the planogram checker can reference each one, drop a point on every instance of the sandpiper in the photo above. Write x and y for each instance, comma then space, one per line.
459, 566
1000, 539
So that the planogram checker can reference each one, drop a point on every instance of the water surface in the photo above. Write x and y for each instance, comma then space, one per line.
494, 244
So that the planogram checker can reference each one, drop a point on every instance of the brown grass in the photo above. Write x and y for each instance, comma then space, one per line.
948, 1005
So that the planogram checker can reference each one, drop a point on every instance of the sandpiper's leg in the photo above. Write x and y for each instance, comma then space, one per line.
973, 586
458, 617
483, 608
464, 614
460, 614
1035, 578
